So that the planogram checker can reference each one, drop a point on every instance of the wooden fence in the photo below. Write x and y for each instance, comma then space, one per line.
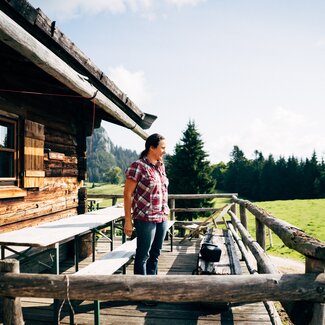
294, 238
302, 295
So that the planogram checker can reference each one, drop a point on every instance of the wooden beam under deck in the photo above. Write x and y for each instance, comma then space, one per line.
182, 261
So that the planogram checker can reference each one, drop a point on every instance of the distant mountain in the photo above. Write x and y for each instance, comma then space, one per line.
103, 156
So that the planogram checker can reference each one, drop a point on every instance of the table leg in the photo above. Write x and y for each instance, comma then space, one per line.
94, 245
97, 312
76, 264
2, 252
56, 270
112, 235
76, 253
123, 234
57, 259
171, 238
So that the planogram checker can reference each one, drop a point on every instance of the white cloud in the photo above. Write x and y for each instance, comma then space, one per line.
148, 9
281, 133
321, 43
131, 83
74, 8
63, 9
182, 3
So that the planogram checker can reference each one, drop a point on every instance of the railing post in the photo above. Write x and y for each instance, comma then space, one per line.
172, 207
233, 208
243, 217
114, 200
260, 233
172, 218
270, 237
82, 200
316, 266
12, 311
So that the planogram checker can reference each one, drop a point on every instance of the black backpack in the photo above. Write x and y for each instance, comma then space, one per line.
210, 252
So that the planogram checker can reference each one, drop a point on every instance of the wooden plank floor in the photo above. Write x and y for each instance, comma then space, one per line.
181, 261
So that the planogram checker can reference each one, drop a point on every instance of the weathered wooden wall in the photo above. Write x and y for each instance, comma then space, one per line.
55, 134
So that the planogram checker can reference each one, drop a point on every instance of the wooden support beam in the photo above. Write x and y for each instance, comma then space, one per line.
12, 311
213, 218
269, 305
243, 217
318, 309
260, 233
172, 218
184, 288
250, 263
263, 261
194, 209
174, 196
199, 196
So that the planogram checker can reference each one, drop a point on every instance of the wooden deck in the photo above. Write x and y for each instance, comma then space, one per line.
181, 261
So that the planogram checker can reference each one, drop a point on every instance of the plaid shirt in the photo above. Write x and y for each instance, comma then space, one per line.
150, 198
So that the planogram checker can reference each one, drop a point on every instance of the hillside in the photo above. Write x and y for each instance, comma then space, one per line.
103, 157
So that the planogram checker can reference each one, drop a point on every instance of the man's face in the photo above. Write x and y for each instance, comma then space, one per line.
160, 151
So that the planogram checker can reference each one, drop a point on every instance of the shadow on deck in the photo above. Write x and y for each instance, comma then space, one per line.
182, 261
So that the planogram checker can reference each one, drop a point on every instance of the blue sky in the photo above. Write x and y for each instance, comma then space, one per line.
248, 72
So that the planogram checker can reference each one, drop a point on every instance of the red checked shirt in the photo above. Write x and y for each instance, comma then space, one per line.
150, 198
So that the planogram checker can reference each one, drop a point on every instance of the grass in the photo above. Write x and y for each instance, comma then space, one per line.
105, 188
308, 215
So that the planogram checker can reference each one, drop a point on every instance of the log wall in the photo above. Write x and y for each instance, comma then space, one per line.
52, 193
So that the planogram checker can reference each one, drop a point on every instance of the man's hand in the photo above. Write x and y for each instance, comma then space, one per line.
128, 228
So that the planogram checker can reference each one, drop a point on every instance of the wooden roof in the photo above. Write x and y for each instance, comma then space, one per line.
19, 72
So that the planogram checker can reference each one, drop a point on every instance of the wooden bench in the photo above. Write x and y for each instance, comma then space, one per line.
111, 261
109, 264
229, 262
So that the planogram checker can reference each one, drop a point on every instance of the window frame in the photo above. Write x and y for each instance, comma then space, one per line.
11, 181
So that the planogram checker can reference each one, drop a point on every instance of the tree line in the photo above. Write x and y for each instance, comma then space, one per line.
267, 179
258, 179
190, 171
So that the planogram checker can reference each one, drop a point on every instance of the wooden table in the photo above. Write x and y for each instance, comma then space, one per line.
52, 234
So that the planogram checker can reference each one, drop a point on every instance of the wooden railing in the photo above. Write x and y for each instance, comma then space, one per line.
291, 289
172, 200
292, 237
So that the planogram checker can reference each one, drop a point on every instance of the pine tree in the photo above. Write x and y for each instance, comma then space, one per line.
236, 169
311, 172
189, 171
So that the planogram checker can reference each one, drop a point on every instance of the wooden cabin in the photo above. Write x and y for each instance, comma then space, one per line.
52, 96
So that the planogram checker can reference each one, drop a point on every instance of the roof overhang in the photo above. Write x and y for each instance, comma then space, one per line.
30, 33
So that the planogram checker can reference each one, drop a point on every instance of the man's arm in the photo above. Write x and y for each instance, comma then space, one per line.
129, 188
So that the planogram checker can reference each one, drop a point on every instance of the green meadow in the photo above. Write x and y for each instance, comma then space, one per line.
104, 189
307, 215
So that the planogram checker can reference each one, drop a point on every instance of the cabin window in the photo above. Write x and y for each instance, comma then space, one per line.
8, 151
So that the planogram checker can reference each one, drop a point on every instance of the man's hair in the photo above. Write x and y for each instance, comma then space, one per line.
152, 141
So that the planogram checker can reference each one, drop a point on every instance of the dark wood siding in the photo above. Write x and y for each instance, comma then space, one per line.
54, 165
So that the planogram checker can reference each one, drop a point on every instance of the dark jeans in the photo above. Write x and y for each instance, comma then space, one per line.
150, 237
